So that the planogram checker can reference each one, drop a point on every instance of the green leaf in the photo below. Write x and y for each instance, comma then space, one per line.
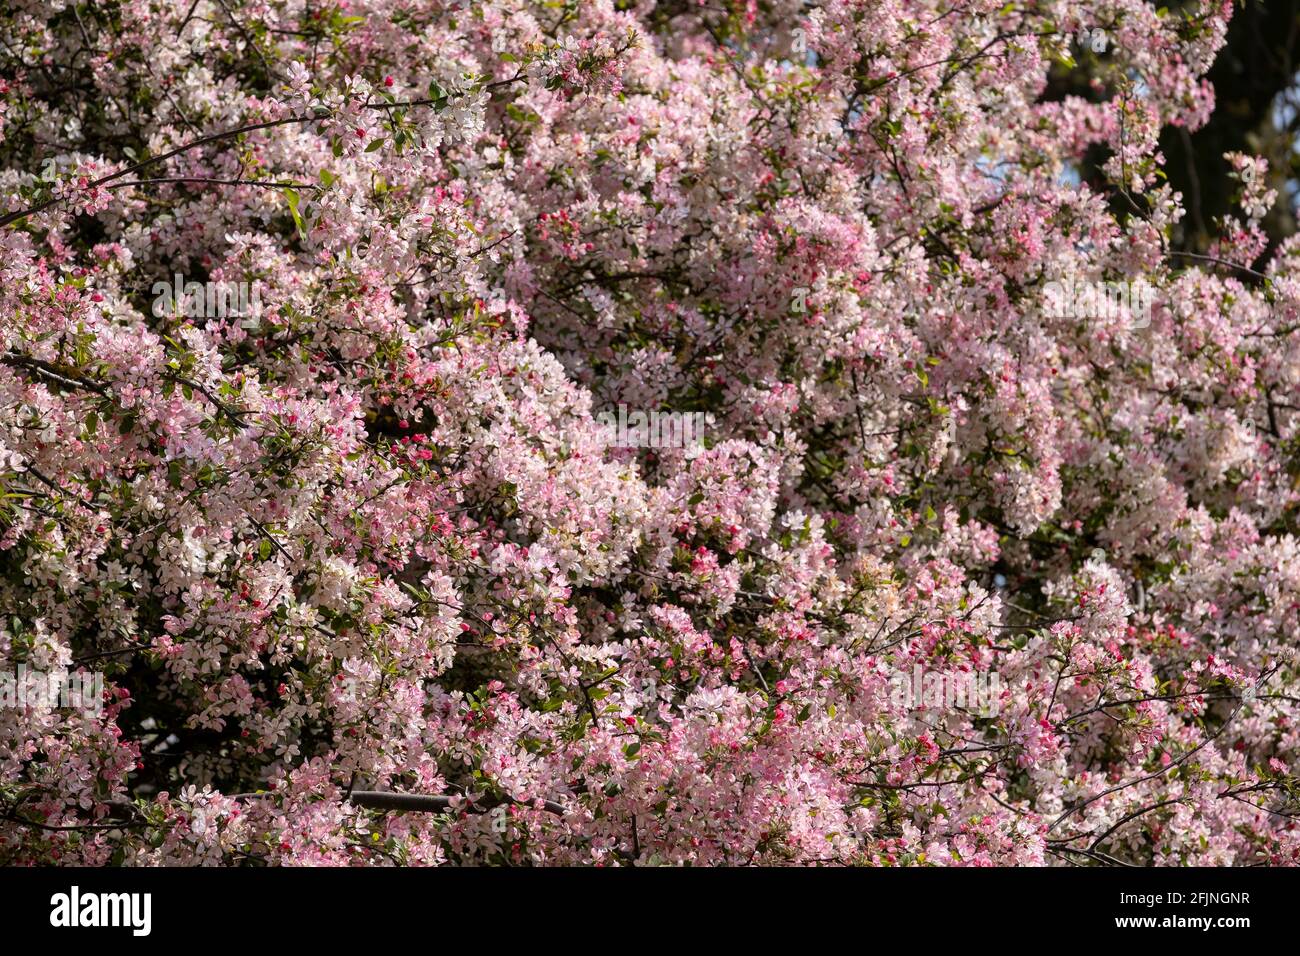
292, 196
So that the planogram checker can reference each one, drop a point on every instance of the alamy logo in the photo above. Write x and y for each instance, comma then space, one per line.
69, 690
655, 429
1093, 38
1073, 299
102, 909
208, 300
977, 691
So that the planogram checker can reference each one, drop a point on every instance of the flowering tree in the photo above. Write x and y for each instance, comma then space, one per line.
370, 535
